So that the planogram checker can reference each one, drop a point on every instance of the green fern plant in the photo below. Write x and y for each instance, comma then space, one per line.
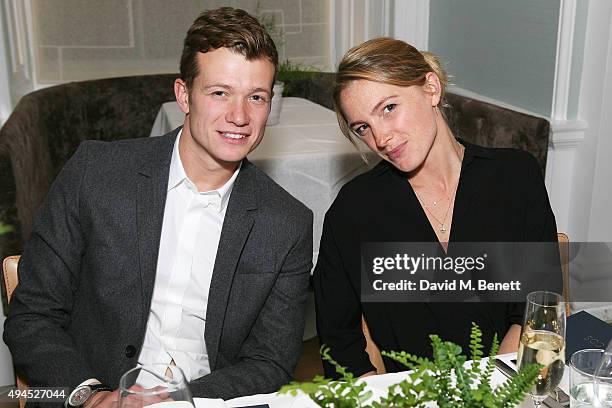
445, 379
347, 393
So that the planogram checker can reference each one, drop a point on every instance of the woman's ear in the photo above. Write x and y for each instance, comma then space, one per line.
182, 95
433, 87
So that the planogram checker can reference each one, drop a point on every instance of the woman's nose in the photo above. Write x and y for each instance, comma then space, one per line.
382, 137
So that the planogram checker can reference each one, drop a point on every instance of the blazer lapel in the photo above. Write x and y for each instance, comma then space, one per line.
152, 186
237, 225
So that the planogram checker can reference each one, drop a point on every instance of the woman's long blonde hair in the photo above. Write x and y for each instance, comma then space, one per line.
388, 61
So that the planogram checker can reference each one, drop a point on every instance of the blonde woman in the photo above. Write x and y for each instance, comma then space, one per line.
429, 187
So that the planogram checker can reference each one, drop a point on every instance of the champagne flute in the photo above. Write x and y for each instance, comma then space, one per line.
154, 384
543, 341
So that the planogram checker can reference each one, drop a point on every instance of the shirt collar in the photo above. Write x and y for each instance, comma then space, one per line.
177, 172
217, 198
473, 151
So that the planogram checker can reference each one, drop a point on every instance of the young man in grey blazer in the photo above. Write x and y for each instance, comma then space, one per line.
174, 249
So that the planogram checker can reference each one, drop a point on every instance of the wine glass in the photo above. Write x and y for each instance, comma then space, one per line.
154, 384
590, 385
543, 341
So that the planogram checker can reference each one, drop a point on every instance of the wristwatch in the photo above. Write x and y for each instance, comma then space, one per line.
79, 396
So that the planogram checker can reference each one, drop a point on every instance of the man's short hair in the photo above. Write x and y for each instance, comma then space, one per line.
225, 27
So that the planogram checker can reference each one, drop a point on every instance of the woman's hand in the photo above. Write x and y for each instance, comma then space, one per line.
510, 343
368, 374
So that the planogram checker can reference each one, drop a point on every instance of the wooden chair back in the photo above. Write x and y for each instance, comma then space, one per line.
9, 271
564, 255
372, 349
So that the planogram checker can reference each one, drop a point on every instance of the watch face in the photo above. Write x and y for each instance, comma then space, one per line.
80, 395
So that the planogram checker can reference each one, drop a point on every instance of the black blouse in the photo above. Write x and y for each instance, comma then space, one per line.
501, 197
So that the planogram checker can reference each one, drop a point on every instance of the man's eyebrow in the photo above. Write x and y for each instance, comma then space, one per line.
225, 86
260, 89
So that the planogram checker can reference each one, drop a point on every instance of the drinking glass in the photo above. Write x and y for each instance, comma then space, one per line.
583, 364
154, 384
543, 341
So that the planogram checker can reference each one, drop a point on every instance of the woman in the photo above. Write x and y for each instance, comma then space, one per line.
429, 187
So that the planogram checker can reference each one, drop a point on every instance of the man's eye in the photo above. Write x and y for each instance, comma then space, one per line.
389, 108
219, 93
259, 98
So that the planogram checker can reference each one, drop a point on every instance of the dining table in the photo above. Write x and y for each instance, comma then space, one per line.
378, 384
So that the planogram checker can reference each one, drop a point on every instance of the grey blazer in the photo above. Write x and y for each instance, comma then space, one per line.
87, 274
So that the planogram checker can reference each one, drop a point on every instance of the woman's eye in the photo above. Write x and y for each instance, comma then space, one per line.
389, 108
361, 130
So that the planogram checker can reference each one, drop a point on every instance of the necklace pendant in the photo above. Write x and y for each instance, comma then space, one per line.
443, 229
435, 203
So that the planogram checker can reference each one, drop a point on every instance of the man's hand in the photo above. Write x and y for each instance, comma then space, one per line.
103, 399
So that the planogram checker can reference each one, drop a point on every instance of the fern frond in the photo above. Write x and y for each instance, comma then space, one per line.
514, 389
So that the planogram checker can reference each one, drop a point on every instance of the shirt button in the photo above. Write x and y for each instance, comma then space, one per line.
130, 351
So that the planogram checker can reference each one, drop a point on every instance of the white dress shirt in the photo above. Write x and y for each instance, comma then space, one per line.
188, 248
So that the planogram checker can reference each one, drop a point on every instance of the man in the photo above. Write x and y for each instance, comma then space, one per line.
174, 249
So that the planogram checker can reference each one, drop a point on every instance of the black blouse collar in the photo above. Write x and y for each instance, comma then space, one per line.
472, 152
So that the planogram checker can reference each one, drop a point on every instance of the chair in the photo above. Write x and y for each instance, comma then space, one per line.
372, 349
374, 352
9, 272
309, 365
564, 255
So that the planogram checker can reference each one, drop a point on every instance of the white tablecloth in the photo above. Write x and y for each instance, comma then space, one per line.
378, 384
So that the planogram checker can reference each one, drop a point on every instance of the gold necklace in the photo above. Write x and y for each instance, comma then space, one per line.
435, 203
443, 222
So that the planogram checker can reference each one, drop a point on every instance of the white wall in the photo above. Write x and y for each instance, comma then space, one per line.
5, 96
46, 41
356, 21
592, 189
499, 48
411, 22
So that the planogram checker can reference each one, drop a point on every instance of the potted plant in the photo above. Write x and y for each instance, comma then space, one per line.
446, 381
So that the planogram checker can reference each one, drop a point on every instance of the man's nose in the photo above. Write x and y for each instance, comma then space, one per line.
238, 113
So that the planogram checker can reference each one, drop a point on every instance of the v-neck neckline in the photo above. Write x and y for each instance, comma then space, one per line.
457, 204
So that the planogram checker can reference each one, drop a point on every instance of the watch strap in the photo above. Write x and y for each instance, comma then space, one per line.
99, 387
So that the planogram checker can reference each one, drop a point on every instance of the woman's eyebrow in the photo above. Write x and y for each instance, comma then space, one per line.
383, 100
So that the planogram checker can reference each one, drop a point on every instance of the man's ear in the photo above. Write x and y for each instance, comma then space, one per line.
433, 87
181, 92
